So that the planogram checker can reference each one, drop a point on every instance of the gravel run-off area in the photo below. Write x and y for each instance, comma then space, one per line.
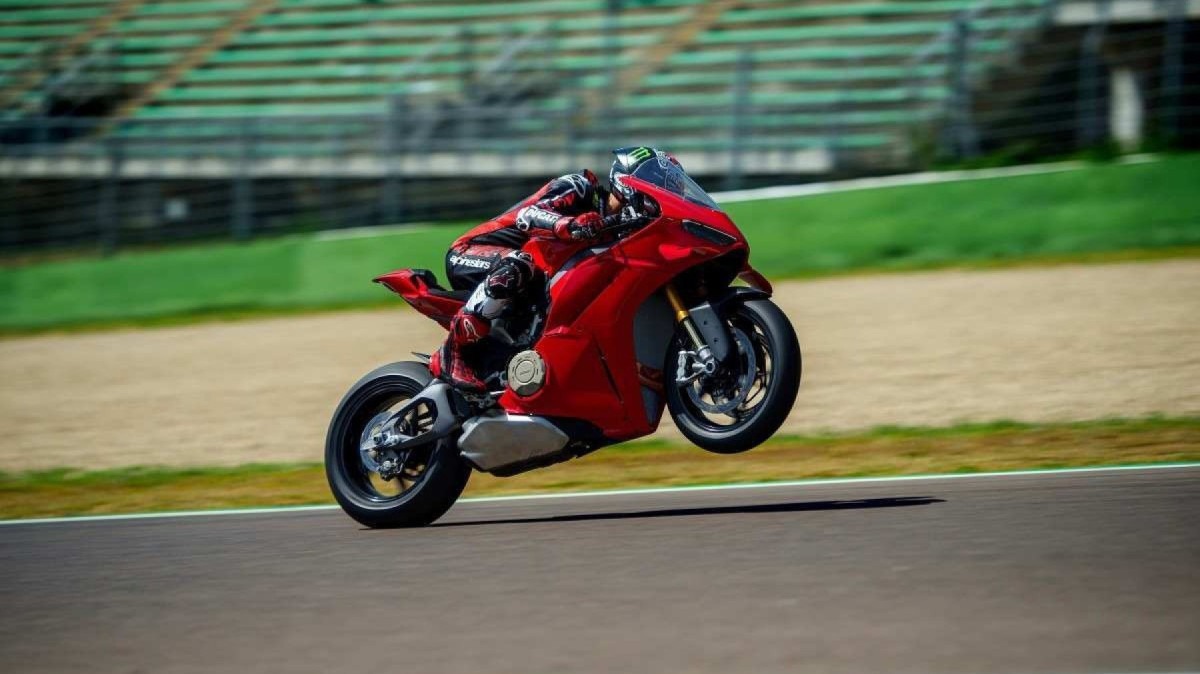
915, 349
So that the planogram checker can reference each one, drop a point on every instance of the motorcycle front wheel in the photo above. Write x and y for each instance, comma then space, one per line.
406, 489
746, 400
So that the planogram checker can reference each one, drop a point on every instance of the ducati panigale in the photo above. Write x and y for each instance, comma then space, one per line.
612, 334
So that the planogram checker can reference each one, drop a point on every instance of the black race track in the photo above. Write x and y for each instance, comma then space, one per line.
1081, 572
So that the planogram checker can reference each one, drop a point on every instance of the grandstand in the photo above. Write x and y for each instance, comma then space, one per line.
822, 73
376, 89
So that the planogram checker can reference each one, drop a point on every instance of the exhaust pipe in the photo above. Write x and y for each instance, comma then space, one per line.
495, 442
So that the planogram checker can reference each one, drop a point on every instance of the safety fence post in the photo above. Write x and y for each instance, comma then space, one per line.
739, 118
964, 139
243, 182
1172, 69
326, 184
110, 188
612, 35
391, 187
1091, 107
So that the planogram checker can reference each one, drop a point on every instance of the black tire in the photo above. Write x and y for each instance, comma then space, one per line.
773, 333
438, 486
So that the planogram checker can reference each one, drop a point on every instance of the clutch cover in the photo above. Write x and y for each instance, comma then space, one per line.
526, 373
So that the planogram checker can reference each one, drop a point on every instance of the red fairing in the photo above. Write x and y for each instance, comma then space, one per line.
433, 302
755, 280
592, 372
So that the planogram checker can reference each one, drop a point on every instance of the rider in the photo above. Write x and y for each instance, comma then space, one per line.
489, 259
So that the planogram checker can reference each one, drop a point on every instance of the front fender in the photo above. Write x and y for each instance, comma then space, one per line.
736, 295
709, 318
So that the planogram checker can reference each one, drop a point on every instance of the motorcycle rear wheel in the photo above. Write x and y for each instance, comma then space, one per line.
431, 477
767, 343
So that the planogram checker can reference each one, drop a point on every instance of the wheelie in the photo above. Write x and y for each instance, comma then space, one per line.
575, 319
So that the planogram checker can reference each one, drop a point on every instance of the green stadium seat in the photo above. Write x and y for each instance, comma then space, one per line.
723, 120
126, 59
320, 72
277, 91
219, 128
793, 75
18, 47
374, 107
43, 3
851, 31
37, 30
188, 7
822, 53
52, 14
171, 24
864, 9
797, 98
785, 142
154, 42
445, 12
343, 52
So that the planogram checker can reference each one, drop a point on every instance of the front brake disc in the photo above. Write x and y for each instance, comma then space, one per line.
745, 380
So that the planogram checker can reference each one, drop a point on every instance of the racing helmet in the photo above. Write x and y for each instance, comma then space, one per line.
628, 159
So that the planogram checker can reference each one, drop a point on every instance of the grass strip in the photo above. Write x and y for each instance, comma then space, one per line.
1097, 213
884, 451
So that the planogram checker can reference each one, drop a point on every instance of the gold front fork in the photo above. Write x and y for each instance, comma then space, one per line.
682, 316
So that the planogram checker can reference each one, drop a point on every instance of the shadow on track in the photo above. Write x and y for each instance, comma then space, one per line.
808, 506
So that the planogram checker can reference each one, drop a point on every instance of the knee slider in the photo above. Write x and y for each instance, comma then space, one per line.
510, 276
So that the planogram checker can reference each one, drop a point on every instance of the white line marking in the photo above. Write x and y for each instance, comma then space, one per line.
621, 492
926, 178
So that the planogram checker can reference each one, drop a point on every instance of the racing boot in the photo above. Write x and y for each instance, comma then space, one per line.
449, 363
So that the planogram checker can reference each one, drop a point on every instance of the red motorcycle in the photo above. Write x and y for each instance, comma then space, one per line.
614, 332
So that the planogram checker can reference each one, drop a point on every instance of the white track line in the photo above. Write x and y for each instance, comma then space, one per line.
926, 178
621, 492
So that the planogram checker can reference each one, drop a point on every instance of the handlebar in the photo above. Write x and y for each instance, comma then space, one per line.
625, 221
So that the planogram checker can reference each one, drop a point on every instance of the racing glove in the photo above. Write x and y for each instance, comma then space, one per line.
585, 227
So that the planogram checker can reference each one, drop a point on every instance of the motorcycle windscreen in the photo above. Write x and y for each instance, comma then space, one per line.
670, 177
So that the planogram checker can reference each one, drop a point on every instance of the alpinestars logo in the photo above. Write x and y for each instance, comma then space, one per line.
470, 262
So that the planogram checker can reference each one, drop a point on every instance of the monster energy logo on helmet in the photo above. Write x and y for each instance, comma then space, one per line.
641, 153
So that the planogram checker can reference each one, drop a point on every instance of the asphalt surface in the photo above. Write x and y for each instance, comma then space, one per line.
1085, 572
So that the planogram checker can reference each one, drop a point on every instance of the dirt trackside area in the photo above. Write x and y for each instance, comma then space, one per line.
921, 349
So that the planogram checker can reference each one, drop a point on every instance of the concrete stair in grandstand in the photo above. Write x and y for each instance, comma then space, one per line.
38, 39
221, 33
